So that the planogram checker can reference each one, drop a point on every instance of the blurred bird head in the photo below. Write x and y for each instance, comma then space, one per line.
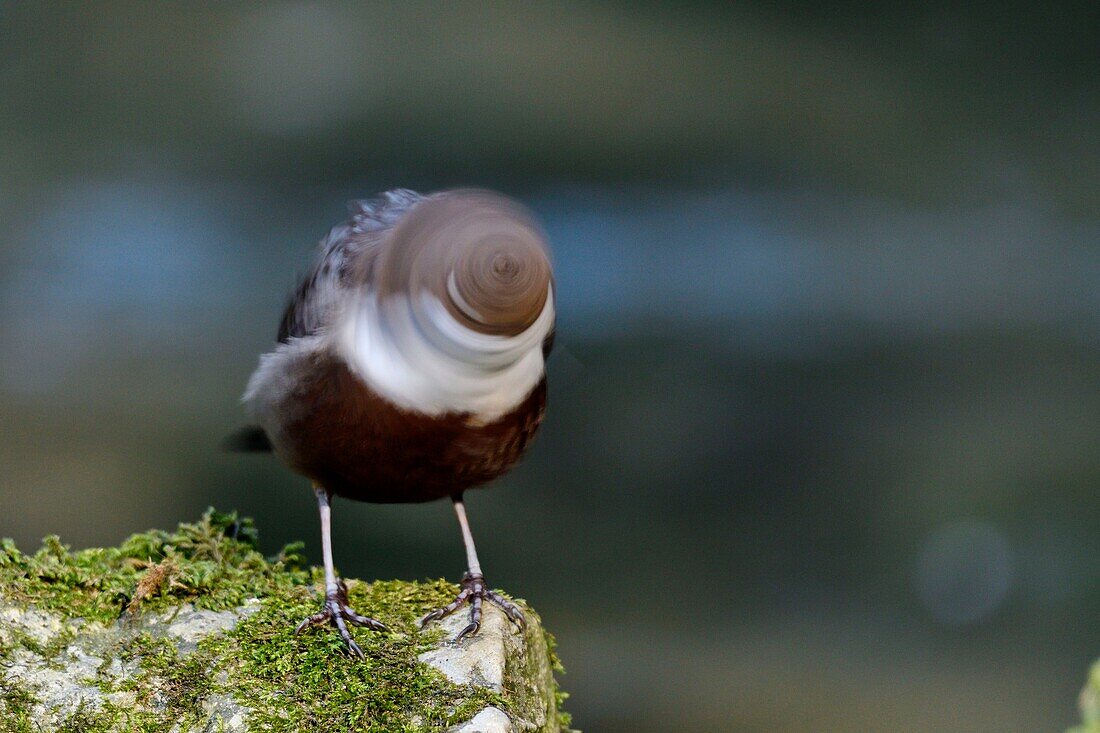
459, 309
475, 252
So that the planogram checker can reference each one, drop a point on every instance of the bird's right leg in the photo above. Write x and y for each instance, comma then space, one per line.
335, 611
473, 588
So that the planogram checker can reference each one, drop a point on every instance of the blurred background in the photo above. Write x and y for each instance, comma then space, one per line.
822, 445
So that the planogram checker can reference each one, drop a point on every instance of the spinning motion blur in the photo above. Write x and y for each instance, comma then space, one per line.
410, 366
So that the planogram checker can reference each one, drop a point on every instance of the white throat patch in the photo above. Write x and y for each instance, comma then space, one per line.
420, 358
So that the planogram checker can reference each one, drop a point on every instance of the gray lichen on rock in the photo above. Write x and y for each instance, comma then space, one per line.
71, 668
193, 631
515, 664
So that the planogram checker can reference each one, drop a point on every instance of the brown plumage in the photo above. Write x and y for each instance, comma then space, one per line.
359, 446
410, 364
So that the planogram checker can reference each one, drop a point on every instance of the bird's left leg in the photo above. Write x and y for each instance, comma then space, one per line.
473, 588
335, 610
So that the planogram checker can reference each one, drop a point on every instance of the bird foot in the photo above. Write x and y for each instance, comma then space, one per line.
474, 592
337, 613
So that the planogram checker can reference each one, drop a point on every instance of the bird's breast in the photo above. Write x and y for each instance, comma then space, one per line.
358, 444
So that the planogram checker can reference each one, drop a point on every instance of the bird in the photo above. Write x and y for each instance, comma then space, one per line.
410, 366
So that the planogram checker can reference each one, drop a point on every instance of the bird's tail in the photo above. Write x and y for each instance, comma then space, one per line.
249, 439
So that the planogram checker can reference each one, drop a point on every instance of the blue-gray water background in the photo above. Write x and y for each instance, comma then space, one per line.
821, 452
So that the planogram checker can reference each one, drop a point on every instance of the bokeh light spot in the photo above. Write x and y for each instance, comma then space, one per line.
964, 571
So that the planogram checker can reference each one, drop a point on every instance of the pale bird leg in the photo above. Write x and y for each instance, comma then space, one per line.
335, 610
474, 590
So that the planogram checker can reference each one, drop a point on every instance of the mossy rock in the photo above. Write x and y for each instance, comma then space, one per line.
193, 630
1090, 703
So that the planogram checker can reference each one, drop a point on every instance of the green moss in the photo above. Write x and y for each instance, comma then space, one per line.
15, 708
212, 568
88, 720
560, 695
290, 683
298, 682
1090, 703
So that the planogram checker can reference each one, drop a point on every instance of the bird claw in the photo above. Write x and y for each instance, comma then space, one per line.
474, 592
471, 628
337, 613
509, 608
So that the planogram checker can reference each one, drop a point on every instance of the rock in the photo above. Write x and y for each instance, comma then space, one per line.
210, 647
478, 659
500, 657
65, 664
489, 720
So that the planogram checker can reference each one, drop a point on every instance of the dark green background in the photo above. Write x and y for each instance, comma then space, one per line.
821, 452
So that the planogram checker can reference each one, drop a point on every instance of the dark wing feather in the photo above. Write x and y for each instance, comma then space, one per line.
548, 343
311, 305
297, 320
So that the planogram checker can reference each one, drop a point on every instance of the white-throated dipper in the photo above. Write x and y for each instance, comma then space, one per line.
410, 366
